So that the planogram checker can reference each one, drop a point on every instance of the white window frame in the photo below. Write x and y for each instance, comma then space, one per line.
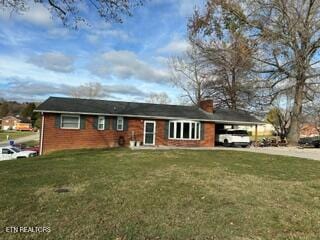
104, 123
122, 124
197, 127
65, 115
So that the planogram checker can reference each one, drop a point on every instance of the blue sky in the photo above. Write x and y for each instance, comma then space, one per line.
40, 58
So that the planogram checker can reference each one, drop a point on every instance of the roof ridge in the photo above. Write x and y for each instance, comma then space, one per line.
106, 100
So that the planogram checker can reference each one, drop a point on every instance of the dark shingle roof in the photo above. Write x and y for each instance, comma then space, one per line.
104, 107
228, 115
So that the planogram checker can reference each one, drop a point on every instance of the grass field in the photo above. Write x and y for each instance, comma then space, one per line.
177, 194
14, 134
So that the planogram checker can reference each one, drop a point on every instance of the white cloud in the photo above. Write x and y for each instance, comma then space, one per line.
126, 65
38, 14
23, 89
35, 13
60, 32
176, 46
26, 81
54, 61
17, 66
98, 35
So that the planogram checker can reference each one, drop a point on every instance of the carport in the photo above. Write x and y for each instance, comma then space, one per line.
235, 118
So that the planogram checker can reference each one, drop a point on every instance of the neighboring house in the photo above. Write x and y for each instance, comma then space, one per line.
309, 130
15, 123
263, 130
70, 123
9, 123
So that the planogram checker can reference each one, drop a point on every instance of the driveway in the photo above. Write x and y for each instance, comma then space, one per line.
33, 137
310, 153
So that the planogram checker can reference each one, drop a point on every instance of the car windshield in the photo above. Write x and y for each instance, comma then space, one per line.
239, 133
15, 149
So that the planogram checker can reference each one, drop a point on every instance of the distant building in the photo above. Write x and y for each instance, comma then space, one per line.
263, 130
309, 130
15, 123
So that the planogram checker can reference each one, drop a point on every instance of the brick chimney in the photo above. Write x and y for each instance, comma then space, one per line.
207, 105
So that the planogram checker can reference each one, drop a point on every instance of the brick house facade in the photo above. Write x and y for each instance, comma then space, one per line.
81, 123
55, 138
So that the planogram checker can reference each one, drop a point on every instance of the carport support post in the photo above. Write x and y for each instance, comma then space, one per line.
256, 133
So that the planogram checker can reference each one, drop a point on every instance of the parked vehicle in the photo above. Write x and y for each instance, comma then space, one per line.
10, 152
233, 137
23, 147
310, 141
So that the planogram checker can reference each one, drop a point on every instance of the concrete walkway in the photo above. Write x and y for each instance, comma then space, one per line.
33, 137
309, 153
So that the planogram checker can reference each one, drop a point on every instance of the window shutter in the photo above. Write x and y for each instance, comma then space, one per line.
82, 122
95, 122
58, 120
166, 128
125, 124
202, 131
114, 123
106, 123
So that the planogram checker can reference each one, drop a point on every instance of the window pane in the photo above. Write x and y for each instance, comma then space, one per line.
150, 127
101, 123
193, 132
198, 130
171, 135
178, 130
5, 151
186, 130
149, 138
70, 122
119, 123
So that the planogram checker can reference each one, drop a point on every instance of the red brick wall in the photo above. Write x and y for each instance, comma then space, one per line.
59, 139
207, 105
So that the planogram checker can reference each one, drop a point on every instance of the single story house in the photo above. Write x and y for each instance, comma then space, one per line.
73, 123
14, 123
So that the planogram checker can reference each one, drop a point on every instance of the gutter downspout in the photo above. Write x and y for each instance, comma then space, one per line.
41, 134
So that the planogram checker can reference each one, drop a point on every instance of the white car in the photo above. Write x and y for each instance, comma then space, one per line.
233, 137
10, 152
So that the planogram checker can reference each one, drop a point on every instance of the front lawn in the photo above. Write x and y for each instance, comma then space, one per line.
177, 194
14, 134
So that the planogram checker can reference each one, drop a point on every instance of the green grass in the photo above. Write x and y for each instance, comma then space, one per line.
14, 134
178, 194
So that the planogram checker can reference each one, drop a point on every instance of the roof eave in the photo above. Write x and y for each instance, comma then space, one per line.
124, 115
240, 122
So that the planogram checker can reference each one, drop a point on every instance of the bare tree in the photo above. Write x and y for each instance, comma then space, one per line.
159, 98
189, 74
88, 90
280, 114
287, 34
226, 50
70, 11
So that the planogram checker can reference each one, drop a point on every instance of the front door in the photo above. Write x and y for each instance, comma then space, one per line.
149, 132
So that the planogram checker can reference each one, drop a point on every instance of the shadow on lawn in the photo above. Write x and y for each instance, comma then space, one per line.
269, 166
